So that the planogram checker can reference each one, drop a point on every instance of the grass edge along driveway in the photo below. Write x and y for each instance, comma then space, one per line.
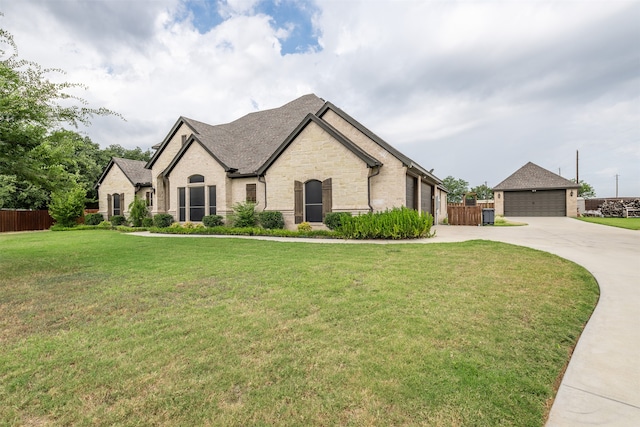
102, 328
632, 223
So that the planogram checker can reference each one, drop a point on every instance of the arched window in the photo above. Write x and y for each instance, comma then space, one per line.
116, 204
194, 179
313, 201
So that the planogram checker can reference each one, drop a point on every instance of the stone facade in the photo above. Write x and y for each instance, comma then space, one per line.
196, 161
315, 155
163, 196
116, 182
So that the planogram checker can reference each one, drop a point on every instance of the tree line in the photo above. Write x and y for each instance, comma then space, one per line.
41, 158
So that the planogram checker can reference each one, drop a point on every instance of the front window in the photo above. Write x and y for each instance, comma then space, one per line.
212, 200
116, 204
182, 203
313, 201
251, 193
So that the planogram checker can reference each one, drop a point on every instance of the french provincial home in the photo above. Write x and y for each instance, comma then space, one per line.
305, 159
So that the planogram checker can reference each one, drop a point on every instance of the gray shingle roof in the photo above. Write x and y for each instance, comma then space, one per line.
246, 143
134, 170
532, 176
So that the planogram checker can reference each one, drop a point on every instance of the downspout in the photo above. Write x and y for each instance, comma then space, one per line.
369, 187
265, 189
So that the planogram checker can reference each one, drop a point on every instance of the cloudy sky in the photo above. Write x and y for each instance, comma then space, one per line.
473, 89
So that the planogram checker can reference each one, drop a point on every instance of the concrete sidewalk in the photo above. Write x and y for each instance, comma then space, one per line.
601, 385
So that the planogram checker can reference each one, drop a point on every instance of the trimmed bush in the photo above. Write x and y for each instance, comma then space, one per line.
212, 220
271, 220
397, 223
93, 219
244, 215
147, 222
162, 220
105, 224
304, 226
117, 220
333, 220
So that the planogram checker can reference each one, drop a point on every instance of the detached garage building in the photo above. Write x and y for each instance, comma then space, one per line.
535, 191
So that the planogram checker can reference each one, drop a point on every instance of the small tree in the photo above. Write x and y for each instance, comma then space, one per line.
138, 211
585, 190
483, 192
66, 207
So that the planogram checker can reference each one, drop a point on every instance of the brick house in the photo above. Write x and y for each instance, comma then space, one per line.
120, 182
304, 159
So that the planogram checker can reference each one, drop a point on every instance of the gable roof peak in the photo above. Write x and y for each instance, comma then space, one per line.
531, 176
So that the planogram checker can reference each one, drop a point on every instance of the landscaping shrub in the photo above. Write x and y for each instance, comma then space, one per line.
271, 219
244, 215
117, 220
397, 223
138, 211
304, 226
93, 219
333, 220
147, 222
105, 224
162, 220
212, 220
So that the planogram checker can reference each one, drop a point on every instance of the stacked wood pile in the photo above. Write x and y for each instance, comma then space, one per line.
620, 208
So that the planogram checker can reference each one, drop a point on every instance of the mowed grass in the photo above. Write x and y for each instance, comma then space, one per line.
629, 223
103, 328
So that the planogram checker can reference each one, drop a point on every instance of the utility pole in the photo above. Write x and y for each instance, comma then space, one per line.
617, 185
577, 175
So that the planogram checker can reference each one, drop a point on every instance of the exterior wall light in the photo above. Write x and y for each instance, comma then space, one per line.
571, 193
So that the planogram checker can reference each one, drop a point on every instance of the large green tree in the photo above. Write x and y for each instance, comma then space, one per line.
36, 155
456, 187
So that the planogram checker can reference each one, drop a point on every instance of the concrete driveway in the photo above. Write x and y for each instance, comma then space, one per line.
602, 383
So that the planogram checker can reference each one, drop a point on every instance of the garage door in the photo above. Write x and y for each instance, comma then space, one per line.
535, 203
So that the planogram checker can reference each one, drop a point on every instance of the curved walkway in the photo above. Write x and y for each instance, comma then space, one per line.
601, 385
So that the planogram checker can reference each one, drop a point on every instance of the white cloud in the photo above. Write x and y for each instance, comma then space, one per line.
506, 82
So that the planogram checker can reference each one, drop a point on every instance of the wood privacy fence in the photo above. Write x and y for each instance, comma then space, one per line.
459, 214
19, 220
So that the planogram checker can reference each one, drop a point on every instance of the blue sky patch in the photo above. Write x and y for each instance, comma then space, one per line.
293, 15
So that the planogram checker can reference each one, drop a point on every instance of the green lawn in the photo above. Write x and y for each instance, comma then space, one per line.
103, 328
630, 223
